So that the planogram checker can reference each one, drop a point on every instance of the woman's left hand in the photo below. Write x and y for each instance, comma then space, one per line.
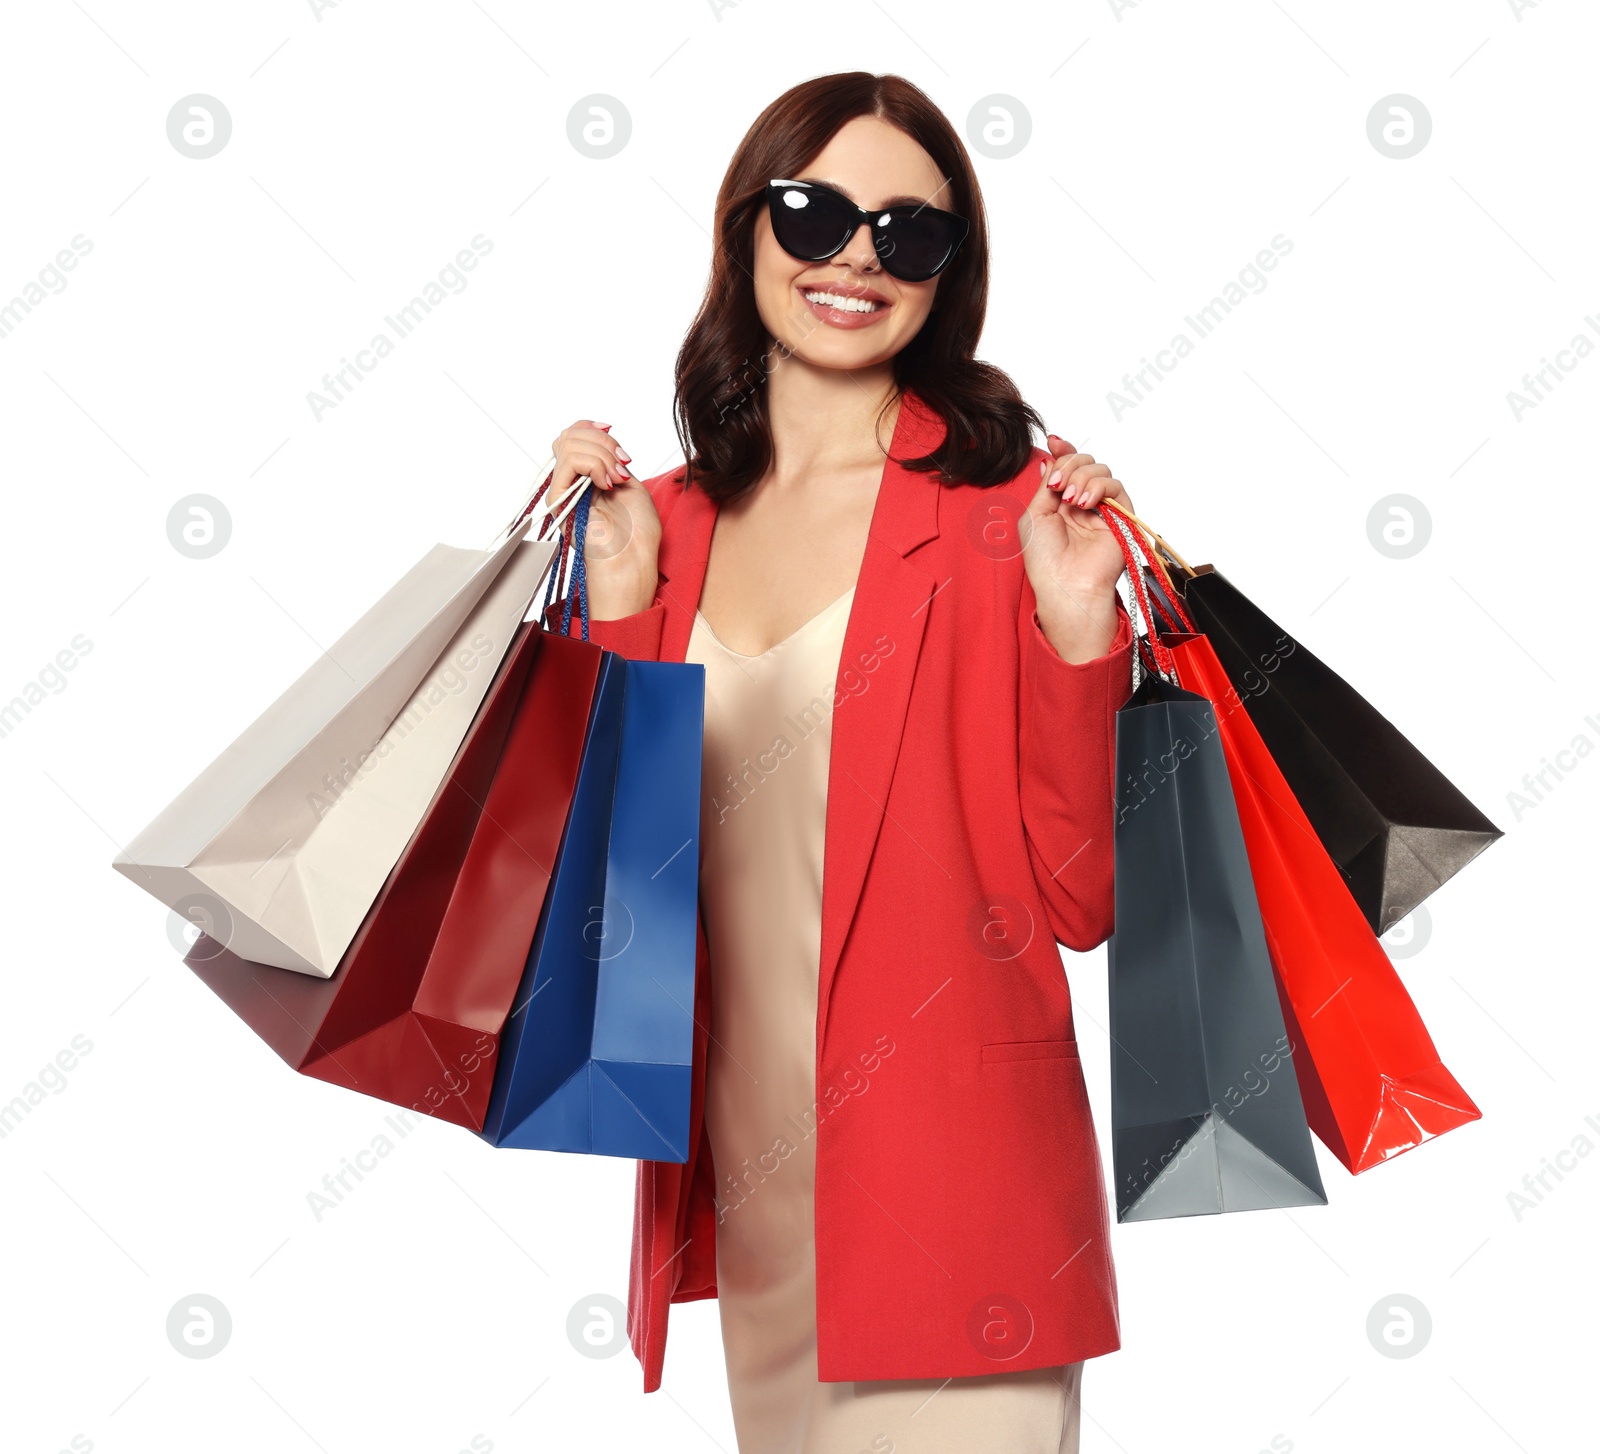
1068, 541
1071, 555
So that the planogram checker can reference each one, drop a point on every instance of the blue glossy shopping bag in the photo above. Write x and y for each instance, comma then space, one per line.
596, 1055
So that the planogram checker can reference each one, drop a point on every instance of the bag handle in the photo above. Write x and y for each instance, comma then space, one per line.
1163, 664
546, 470
574, 502
580, 582
1168, 604
1149, 531
567, 502
1145, 535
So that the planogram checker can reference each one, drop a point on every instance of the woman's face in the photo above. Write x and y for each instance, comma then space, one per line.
869, 161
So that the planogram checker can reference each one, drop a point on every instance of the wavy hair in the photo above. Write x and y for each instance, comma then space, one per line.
720, 398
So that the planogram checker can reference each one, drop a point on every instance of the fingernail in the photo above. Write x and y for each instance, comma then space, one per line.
599, 425
623, 454
1055, 480
1043, 464
622, 470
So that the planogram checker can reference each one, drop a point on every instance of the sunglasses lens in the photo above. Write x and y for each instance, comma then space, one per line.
916, 244
809, 223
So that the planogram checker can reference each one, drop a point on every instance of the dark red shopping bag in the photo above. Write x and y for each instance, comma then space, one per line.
414, 1012
1374, 1085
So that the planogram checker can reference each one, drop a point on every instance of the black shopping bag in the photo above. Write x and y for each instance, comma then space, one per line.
1395, 825
1206, 1113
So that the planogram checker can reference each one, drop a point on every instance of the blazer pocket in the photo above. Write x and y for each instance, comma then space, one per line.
1029, 1050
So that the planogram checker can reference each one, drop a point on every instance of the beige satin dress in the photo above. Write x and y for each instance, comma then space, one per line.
768, 732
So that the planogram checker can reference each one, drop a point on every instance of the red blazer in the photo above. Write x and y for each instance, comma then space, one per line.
962, 1224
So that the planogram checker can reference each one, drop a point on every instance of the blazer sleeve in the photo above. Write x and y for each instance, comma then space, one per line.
1067, 767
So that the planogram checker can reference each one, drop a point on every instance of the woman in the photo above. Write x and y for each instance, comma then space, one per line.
913, 655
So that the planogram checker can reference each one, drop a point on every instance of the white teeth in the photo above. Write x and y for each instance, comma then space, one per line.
843, 302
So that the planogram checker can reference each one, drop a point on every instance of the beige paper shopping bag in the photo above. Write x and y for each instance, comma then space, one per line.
287, 837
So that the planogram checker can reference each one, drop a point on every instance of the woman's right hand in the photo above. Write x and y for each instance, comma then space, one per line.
624, 531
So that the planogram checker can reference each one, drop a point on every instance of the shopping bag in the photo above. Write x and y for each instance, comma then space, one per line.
1372, 1081
414, 1012
1206, 1114
284, 841
1393, 823
596, 1056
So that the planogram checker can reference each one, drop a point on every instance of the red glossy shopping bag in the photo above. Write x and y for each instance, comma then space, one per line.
414, 1012
1374, 1084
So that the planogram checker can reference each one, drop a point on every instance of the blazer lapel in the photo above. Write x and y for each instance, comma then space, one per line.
887, 620
886, 624
681, 563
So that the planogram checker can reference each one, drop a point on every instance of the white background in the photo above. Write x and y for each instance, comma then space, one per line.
371, 143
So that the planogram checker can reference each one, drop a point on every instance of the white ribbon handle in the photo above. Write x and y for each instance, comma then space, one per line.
569, 502
552, 516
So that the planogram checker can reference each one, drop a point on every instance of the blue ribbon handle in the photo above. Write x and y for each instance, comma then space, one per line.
579, 585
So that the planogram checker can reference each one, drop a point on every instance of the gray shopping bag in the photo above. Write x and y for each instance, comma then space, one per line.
1206, 1114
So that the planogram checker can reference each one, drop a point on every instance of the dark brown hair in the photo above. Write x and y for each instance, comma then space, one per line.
720, 403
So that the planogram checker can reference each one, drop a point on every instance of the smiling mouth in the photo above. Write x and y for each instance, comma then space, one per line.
844, 302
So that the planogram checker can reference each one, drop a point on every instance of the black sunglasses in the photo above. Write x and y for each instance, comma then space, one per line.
913, 240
